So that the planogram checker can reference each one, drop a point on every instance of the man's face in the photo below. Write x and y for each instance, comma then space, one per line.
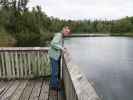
66, 31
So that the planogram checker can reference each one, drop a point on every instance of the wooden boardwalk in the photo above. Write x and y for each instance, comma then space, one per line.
26, 90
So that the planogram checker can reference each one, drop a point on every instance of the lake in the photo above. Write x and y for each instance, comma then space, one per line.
108, 62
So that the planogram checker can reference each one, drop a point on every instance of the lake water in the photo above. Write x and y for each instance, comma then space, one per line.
108, 62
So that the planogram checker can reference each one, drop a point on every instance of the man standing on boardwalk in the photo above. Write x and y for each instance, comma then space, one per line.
55, 50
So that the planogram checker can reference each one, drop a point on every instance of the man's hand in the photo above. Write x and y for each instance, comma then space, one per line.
66, 53
64, 50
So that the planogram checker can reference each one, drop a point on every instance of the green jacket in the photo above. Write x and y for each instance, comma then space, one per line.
56, 46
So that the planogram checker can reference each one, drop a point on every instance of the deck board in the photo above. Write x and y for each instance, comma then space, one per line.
10, 91
27, 90
6, 86
2, 86
44, 91
36, 90
19, 90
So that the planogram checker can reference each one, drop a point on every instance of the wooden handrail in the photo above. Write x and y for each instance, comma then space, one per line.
24, 49
77, 87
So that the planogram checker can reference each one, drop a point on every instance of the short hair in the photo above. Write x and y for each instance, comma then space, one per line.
65, 27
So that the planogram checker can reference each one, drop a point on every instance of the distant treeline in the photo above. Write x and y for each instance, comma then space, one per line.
24, 27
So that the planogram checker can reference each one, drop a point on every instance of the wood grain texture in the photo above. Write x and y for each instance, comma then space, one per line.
36, 90
44, 91
28, 90
10, 91
16, 95
76, 84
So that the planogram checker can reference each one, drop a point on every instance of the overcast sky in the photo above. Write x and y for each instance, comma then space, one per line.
86, 9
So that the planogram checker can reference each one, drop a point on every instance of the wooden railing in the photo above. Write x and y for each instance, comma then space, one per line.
77, 87
34, 62
24, 62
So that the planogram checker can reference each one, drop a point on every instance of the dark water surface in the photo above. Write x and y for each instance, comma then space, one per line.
108, 62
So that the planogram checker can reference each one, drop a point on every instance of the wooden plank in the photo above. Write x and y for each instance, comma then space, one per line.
44, 91
36, 90
27, 91
3, 64
16, 65
47, 64
12, 64
29, 64
6, 86
34, 64
21, 65
25, 63
2, 86
24, 49
8, 65
41, 63
19, 90
10, 91
38, 63
0, 66
44, 63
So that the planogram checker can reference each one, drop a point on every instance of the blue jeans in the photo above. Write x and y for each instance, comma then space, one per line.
54, 82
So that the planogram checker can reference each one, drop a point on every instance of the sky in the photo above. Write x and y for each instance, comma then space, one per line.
85, 9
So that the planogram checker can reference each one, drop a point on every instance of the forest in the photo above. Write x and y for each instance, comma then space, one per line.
20, 26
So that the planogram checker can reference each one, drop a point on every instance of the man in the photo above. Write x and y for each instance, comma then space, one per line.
55, 50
